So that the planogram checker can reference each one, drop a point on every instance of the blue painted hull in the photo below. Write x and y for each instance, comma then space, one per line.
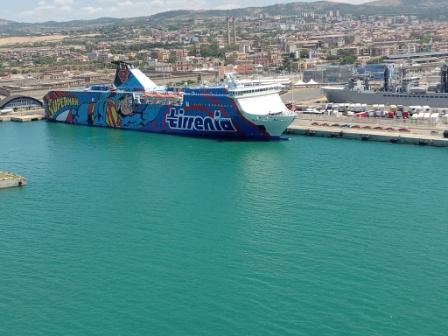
201, 113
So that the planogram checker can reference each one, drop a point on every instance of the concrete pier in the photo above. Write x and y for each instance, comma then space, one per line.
25, 118
10, 180
369, 135
23, 115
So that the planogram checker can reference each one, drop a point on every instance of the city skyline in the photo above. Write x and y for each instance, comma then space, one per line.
64, 10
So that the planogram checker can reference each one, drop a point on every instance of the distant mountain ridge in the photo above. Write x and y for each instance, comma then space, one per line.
393, 3
410, 3
434, 8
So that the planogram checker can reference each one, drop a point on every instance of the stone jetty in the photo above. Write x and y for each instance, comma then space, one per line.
10, 180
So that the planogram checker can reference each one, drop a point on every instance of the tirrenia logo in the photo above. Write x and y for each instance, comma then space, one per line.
176, 119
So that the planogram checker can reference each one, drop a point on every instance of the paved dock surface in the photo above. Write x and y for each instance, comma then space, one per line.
404, 134
23, 116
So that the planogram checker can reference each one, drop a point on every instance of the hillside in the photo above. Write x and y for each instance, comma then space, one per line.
432, 8
416, 4
393, 3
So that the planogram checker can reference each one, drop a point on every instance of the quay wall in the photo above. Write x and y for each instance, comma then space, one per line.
364, 135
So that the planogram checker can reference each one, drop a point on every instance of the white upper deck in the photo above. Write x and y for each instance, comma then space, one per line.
259, 90
260, 100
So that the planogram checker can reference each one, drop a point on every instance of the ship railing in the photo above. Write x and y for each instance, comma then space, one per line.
254, 89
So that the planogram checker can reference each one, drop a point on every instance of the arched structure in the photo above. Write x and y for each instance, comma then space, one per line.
20, 102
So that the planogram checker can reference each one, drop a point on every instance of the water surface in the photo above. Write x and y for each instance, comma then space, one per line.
127, 233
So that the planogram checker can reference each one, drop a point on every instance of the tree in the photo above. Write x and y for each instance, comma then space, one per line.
348, 60
378, 60
425, 38
212, 50
173, 58
287, 62
304, 53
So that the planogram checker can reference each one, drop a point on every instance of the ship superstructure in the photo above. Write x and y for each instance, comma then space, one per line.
135, 102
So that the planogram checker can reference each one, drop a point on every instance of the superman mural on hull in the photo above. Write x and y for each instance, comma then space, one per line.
135, 102
112, 116
109, 110
122, 75
121, 110
61, 106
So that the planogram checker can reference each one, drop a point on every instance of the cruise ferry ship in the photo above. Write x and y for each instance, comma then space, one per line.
135, 102
407, 93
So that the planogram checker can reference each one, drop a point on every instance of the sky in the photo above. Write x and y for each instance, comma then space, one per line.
63, 10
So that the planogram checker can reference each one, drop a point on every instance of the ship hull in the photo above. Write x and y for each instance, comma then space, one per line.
198, 115
337, 95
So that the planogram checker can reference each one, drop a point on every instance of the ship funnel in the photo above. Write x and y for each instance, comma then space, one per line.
444, 78
127, 77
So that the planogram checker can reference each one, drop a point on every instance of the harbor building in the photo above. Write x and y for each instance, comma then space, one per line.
415, 57
19, 102
231, 31
329, 74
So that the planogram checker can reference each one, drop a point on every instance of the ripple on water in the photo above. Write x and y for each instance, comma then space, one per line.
132, 233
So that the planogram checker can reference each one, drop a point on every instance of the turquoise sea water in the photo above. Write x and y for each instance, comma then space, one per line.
126, 233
